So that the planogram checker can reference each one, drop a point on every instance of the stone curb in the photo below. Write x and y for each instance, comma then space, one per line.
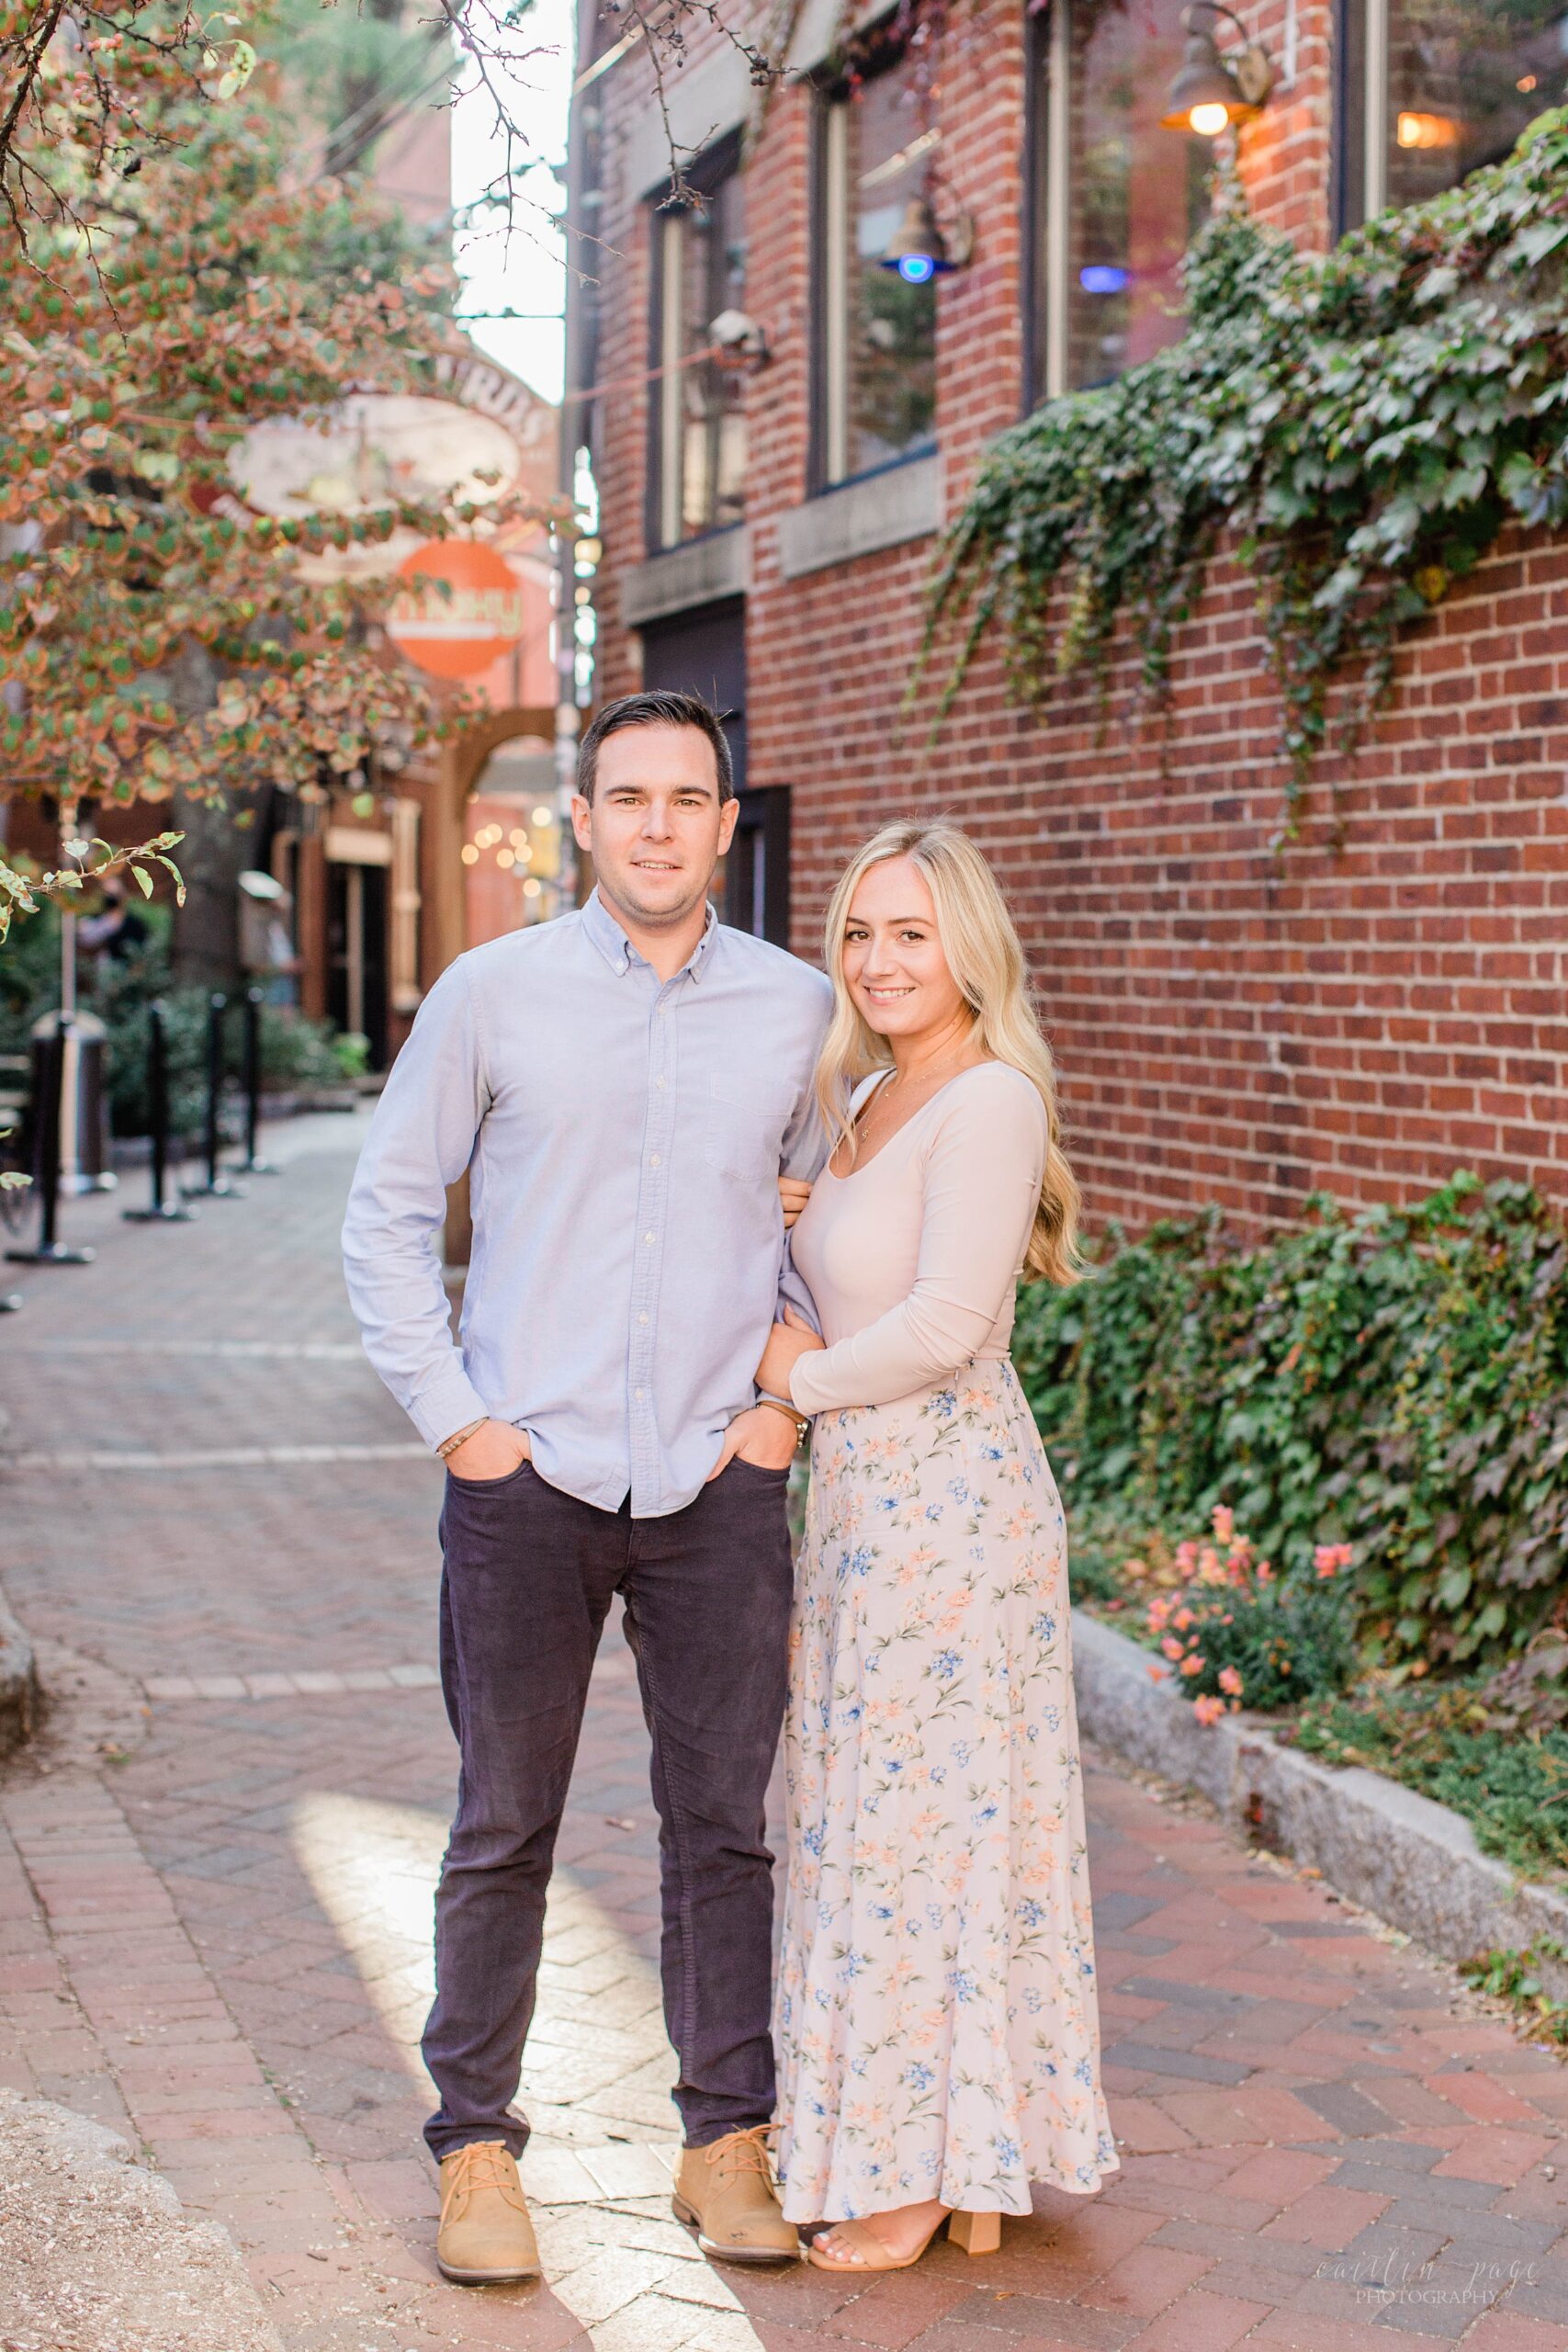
19, 1693
1413, 1862
98, 2253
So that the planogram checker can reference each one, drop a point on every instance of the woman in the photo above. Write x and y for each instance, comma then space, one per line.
937, 2025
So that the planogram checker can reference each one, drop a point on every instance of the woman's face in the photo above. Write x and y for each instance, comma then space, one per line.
892, 961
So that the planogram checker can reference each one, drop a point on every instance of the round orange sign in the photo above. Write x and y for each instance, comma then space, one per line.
461, 607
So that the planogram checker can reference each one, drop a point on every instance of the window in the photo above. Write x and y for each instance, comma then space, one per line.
1432, 89
697, 474
876, 333
1115, 199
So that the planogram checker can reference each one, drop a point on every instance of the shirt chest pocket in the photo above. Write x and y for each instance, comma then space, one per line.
743, 1127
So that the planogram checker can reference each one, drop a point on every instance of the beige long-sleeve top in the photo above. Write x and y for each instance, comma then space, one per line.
913, 1258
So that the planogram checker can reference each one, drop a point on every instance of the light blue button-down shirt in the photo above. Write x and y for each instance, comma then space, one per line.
626, 1136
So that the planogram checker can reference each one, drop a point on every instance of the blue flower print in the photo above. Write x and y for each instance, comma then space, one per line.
935, 1982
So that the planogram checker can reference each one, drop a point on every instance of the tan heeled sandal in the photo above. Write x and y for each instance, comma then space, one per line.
975, 2233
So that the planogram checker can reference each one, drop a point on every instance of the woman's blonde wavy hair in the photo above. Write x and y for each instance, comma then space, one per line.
986, 959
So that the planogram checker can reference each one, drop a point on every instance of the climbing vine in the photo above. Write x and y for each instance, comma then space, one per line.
1367, 421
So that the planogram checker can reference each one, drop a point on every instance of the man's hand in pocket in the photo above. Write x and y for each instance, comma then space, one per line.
494, 1451
762, 1436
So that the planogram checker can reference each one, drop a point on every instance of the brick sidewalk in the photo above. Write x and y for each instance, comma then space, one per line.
215, 1883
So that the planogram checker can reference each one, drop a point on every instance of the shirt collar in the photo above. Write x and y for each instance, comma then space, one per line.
617, 950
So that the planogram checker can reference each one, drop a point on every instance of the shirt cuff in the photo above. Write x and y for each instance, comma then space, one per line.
449, 1404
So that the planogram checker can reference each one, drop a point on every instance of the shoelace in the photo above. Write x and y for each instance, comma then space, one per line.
745, 2150
482, 2164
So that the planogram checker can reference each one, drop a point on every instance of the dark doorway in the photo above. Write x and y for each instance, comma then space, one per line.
756, 872
703, 652
356, 953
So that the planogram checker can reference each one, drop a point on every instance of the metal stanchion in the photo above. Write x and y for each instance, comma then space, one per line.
49, 1062
219, 1185
253, 1164
163, 1211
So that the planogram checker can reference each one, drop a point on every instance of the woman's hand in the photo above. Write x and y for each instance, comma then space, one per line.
793, 1192
495, 1449
788, 1342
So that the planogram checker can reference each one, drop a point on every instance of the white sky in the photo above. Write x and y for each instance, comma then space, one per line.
522, 269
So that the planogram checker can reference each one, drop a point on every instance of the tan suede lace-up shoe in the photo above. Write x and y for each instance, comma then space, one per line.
726, 2190
485, 2238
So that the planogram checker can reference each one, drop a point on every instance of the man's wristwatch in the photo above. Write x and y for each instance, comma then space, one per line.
782, 1405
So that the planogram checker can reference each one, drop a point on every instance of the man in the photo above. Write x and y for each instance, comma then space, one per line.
628, 1083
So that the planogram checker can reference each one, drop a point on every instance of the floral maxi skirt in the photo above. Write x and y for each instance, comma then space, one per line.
937, 2027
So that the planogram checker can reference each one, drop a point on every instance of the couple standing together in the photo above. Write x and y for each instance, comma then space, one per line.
632, 1088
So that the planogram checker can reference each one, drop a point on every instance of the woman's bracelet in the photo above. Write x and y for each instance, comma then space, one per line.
782, 1405
459, 1437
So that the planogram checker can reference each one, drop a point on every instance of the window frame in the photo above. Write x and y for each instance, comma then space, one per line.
1046, 246
1048, 197
878, 50
1363, 61
664, 486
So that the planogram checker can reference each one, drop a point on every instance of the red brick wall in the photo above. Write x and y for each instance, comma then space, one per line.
1232, 1025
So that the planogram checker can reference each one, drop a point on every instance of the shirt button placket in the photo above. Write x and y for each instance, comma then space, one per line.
653, 1182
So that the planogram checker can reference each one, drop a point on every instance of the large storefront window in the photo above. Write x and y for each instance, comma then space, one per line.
1435, 88
1116, 200
876, 333
698, 471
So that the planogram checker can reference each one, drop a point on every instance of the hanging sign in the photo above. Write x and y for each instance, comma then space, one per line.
460, 610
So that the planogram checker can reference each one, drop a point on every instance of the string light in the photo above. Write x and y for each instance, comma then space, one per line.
505, 860
532, 887
469, 854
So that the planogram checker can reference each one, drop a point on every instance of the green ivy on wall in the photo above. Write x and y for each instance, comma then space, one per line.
1366, 420
1395, 1379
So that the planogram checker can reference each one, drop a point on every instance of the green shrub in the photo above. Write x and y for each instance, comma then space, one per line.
1438, 1740
1396, 1380
297, 1054
1235, 1633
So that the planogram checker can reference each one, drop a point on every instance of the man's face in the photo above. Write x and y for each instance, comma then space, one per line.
655, 828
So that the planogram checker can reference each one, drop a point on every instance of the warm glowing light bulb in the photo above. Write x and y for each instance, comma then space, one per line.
517, 837
531, 888
1209, 120
544, 816
1526, 82
469, 854
1425, 131
505, 860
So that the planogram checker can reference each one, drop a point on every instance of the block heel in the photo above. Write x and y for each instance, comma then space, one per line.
975, 2233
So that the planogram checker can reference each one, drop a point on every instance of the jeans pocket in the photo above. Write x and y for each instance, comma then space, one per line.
489, 1485
757, 1469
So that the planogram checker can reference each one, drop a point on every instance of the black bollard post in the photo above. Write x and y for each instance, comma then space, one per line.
253, 1164
49, 1063
219, 1185
162, 1210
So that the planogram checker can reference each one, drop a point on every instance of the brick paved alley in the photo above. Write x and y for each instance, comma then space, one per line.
215, 1879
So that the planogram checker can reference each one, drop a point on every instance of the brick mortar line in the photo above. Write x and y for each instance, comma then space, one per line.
229, 1457
308, 1350
323, 1683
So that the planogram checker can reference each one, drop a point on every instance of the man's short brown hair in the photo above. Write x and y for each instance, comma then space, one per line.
661, 706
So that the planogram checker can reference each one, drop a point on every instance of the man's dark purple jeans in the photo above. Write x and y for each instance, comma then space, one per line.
529, 1575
